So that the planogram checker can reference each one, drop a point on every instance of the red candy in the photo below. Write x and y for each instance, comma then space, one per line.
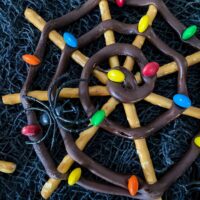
31, 130
150, 69
120, 3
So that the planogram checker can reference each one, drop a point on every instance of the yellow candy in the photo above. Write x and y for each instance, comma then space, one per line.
197, 141
74, 176
143, 24
116, 76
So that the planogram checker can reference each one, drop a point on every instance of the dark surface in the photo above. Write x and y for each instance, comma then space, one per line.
17, 37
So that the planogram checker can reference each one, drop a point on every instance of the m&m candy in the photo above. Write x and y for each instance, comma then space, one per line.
31, 59
133, 185
74, 176
143, 24
116, 76
182, 100
120, 3
70, 40
197, 141
150, 69
31, 130
189, 32
98, 118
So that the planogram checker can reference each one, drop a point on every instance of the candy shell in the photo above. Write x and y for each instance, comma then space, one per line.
150, 69
182, 100
197, 141
31, 130
143, 24
189, 32
120, 3
74, 176
98, 118
116, 76
133, 185
70, 40
31, 59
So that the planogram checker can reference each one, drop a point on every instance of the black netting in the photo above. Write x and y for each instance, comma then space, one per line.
17, 37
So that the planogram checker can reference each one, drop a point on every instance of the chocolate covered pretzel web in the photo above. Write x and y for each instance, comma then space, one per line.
122, 86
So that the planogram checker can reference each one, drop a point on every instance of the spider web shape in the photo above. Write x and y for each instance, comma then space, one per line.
113, 62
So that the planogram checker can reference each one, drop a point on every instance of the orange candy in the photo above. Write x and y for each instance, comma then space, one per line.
31, 59
133, 185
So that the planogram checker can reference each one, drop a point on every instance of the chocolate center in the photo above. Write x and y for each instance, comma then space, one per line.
129, 91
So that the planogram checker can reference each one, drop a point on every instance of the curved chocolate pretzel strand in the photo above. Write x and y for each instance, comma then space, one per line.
167, 15
108, 35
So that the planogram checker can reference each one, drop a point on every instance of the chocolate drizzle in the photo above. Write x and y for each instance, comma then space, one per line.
131, 93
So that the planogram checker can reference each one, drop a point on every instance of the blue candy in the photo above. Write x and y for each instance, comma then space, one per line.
70, 40
182, 100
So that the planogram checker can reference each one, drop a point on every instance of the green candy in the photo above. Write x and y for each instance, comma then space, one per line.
98, 118
189, 32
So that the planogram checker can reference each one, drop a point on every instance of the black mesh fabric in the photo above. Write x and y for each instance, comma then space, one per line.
17, 37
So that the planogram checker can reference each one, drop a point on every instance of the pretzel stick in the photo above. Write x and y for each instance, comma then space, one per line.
7, 167
163, 102
131, 113
12, 99
109, 35
167, 103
